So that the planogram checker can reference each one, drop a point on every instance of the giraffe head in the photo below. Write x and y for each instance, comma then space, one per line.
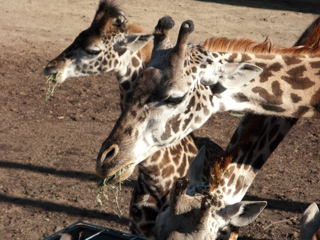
103, 47
197, 214
169, 101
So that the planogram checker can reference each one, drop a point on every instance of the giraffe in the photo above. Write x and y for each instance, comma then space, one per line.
199, 211
112, 44
310, 223
184, 85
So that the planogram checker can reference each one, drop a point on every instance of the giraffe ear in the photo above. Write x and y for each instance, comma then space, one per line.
309, 222
196, 166
235, 75
245, 212
133, 42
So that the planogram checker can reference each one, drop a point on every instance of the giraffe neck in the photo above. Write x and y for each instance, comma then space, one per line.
247, 152
288, 86
157, 175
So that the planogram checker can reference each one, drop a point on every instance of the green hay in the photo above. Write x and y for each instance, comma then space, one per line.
109, 189
239, 115
51, 78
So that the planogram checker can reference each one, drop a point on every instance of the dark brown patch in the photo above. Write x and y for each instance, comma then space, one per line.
209, 61
295, 98
301, 111
198, 107
128, 130
167, 171
272, 108
268, 71
270, 98
245, 58
197, 119
176, 124
191, 104
187, 121
167, 133
240, 97
194, 69
229, 171
295, 78
239, 185
128, 72
135, 62
315, 64
231, 180
290, 60
133, 113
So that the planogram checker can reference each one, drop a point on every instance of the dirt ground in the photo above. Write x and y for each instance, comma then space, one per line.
48, 148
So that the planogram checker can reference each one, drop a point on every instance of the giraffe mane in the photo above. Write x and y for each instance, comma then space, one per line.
107, 9
250, 46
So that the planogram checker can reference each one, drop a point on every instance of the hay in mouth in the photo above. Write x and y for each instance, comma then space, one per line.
52, 79
105, 188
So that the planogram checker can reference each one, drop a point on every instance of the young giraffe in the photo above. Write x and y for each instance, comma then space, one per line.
173, 96
110, 44
310, 223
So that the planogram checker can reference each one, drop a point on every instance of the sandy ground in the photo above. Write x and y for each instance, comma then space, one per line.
48, 148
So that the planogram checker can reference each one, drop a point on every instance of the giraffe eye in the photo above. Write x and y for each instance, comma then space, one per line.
93, 51
173, 100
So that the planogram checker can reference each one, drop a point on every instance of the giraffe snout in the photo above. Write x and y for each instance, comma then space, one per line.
51, 68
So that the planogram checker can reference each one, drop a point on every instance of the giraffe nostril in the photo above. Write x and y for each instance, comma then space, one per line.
110, 153
50, 68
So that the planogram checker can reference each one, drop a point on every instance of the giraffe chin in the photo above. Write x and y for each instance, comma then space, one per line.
121, 175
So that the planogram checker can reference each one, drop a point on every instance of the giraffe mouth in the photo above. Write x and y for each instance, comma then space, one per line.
120, 175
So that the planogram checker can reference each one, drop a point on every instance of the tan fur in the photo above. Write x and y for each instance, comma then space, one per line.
250, 46
146, 50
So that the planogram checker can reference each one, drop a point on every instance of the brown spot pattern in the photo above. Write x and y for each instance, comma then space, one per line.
290, 60
301, 111
295, 78
135, 62
295, 98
